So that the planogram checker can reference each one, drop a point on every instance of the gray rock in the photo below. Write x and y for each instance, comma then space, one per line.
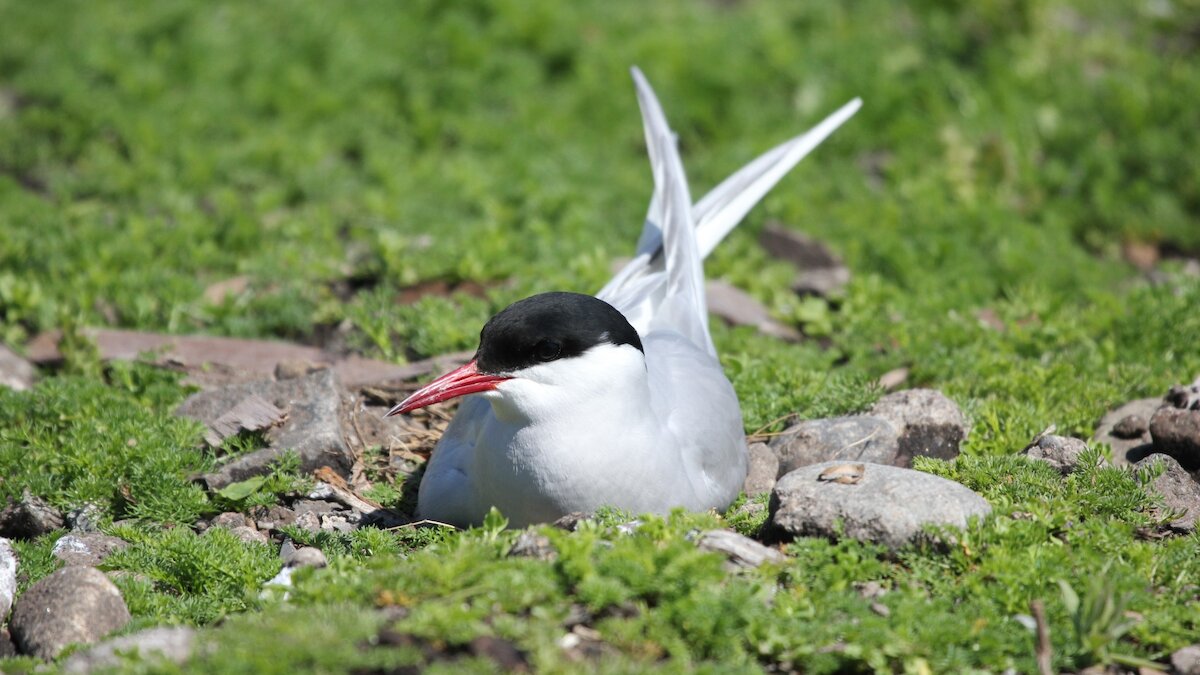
312, 428
1186, 661
306, 557
339, 521
317, 506
274, 517
293, 559
1184, 397
1176, 432
15, 372
764, 469
309, 521
530, 544
169, 644
249, 535
353, 510
28, 518
1060, 452
929, 424
85, 517
229, 520
8, 577
1126, 451
73, 605
873, 502
1131, 426
858, 438
571, 521
316, 514
8, 648
741, 551
1180, 492
250, 414
86, 548
287, 548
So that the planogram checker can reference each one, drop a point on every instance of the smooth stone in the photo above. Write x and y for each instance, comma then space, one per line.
1126, 451
249, 535
869, 502
28, 518
73, 605
859, 438
1060, 452
1180, 492
15, 372
87, 548
1186, 660
929, 423
85, 518
764, 469
170, 644
1176, 432
306, 557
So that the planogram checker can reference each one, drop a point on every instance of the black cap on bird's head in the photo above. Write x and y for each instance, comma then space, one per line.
548, 327
539, 329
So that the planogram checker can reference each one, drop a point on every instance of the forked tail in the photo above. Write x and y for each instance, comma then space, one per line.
663, 286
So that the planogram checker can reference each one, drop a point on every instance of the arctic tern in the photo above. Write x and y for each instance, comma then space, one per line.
616, 399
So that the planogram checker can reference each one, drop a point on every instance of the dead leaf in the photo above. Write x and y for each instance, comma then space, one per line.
893, 378
844, 474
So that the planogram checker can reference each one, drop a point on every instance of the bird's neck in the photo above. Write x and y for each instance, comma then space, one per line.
608, 383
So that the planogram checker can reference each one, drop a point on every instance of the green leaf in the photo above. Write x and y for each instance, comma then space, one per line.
236, 492
1070, 597
493, 523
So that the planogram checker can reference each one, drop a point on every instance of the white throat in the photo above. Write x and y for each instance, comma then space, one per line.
607, 382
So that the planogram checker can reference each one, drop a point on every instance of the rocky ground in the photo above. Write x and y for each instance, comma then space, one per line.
842, 477
848, 477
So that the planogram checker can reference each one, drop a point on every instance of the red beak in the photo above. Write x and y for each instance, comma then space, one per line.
458, 382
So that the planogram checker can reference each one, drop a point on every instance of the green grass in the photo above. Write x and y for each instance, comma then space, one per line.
333, 155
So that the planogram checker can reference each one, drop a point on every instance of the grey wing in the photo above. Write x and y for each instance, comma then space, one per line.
703, 417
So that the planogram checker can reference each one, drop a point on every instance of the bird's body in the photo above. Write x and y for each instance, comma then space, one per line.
590, 444
617, 399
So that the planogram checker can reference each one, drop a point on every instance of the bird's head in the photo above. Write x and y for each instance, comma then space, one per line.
541, 351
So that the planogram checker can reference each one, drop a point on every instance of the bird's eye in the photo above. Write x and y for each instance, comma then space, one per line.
547, 350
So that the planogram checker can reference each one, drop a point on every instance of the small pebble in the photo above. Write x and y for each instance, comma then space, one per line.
1130, 426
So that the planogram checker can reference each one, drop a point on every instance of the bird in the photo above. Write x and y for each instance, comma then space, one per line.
574, 402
